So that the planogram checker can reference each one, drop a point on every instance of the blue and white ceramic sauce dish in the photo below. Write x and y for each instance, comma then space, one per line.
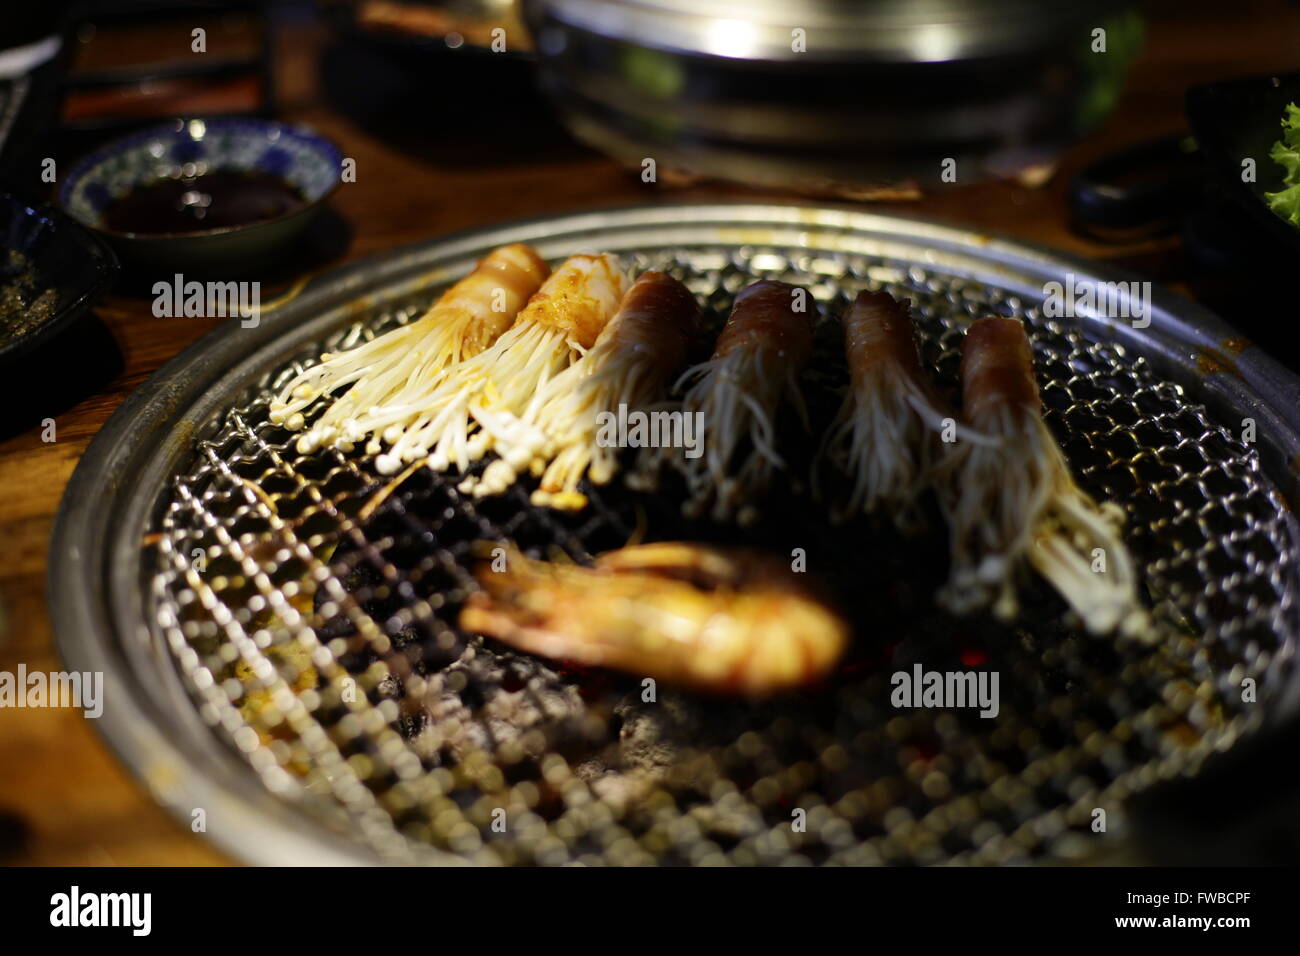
209, 194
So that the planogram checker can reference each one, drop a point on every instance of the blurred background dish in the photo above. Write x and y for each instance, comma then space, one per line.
50, 271
472, 26
1212, 184
32, 55
387, 55
129, 64
834, 96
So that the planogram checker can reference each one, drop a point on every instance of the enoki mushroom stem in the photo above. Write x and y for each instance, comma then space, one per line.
1018, 500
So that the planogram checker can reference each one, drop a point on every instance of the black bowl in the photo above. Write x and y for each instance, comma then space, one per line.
51, 270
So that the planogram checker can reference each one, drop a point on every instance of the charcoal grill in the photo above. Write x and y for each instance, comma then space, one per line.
277, 630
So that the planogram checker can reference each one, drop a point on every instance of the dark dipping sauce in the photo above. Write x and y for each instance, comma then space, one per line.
219, 200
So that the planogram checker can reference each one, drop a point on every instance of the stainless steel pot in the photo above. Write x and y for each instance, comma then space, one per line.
833, 95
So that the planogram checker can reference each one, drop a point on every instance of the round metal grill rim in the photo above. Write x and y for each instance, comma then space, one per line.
94, 586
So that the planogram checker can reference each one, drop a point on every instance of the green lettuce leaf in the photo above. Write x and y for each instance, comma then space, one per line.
1286, 153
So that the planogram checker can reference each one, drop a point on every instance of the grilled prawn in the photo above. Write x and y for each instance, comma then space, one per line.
1015, 502
721, 621
392, 375
642, 346
755, 364
887, 436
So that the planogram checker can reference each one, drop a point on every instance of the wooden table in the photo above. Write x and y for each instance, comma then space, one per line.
64, 799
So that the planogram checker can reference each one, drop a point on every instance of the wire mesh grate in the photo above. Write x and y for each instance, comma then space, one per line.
311, 608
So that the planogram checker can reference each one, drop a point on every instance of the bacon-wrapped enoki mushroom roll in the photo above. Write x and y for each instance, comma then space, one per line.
560, 321
392, 375
1016, 502
888, 435
756, 362
631, 365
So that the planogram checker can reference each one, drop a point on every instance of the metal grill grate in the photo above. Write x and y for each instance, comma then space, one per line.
313, 618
